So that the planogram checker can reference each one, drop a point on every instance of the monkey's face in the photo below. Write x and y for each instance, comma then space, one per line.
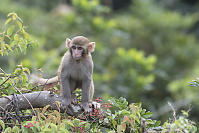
79, 47
77, 52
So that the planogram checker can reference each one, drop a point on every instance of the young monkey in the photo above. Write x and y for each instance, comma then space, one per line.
75, 71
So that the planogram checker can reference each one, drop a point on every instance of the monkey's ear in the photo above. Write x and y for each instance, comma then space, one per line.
68, 43
91, 47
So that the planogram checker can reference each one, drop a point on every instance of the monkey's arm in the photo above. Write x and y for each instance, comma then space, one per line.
65, 88
37, 80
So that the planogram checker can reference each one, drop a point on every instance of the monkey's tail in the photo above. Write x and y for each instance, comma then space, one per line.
37, 80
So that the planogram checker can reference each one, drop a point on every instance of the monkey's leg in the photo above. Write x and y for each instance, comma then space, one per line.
93, 103
86, 86
73, 86
91, 91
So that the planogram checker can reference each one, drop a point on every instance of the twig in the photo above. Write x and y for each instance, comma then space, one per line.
20, 92
165, 108
2, 108
189, 109
143, 126
174, 112
5, 81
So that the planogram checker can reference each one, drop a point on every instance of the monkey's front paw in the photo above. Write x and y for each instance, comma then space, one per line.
86, 107
96, 105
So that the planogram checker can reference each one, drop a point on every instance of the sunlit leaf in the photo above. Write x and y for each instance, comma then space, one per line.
19, 46
19, 24
53, 127
10, 30
8, 130
15, 129
34, 118
147, 114
8, 47
45, 108
7, 21
16, 37
2, 124
26, 70
14, 16
21, 21
119, 128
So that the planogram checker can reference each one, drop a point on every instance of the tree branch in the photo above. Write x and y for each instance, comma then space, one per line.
38, 100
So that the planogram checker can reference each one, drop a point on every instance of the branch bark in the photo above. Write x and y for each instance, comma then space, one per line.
38, 100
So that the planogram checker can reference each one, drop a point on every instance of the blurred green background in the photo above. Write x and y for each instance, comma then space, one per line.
146, 50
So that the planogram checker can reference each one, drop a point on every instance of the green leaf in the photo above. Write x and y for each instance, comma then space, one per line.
46, 129
1, 52
16, 37
10, 30
147, 114
53, 127
137, 119
34, 129
20, 20
7, 21
124, 112
114, 123
20, 24
8, 130
19, 46
119, 129
69, 122
2, 46
8, 47
24, 78
2, 124
143, 111
34, 118
9, 14
14, 16
157, 123
15, 129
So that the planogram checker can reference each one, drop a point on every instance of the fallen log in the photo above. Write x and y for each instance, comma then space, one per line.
37, 99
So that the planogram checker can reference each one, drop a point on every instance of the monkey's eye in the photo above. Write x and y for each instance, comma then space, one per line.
79, 48
73, 47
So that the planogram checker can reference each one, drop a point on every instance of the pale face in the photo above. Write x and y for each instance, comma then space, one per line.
77, 52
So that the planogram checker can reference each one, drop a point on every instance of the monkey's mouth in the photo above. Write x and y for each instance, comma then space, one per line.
77, 57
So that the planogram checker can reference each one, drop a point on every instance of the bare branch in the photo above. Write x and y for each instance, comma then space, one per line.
5, 81
39, 100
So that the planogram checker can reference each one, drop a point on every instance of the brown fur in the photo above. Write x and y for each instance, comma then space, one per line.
77, 74
74, 74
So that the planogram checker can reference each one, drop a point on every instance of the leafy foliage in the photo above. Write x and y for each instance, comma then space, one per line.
117, 116
14, 38
181, 125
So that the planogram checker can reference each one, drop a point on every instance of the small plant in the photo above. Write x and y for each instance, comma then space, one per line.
180, 125
18, 78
